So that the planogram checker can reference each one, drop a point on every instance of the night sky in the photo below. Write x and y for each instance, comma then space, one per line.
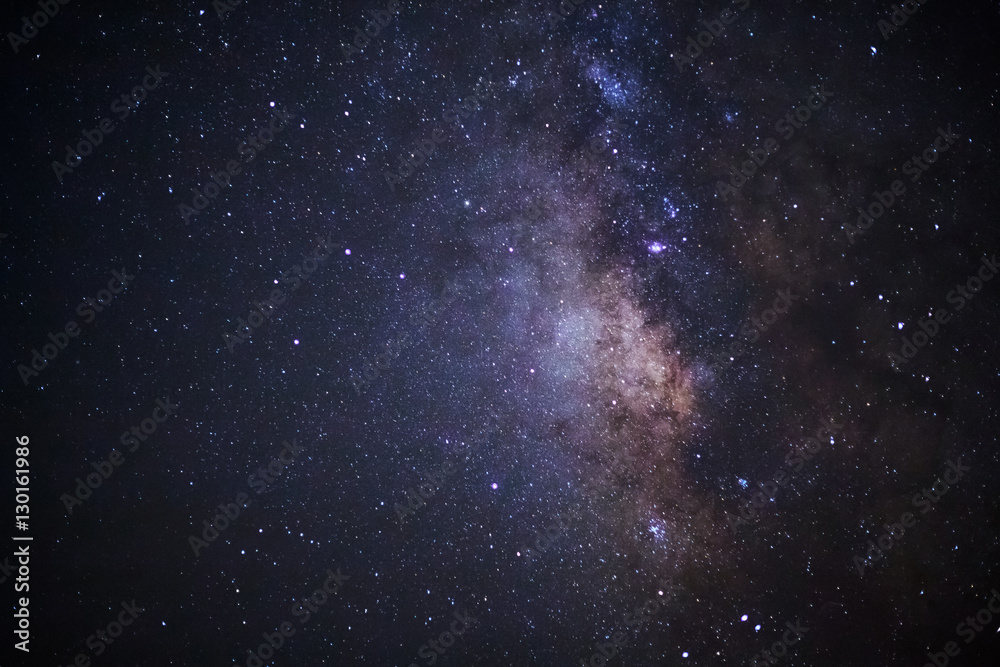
633, 334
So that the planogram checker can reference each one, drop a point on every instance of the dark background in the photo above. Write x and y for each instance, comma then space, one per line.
532, 337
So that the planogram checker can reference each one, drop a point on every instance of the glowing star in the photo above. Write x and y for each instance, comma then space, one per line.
656, 247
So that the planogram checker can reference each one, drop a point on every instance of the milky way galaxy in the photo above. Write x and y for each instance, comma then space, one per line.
504, 334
